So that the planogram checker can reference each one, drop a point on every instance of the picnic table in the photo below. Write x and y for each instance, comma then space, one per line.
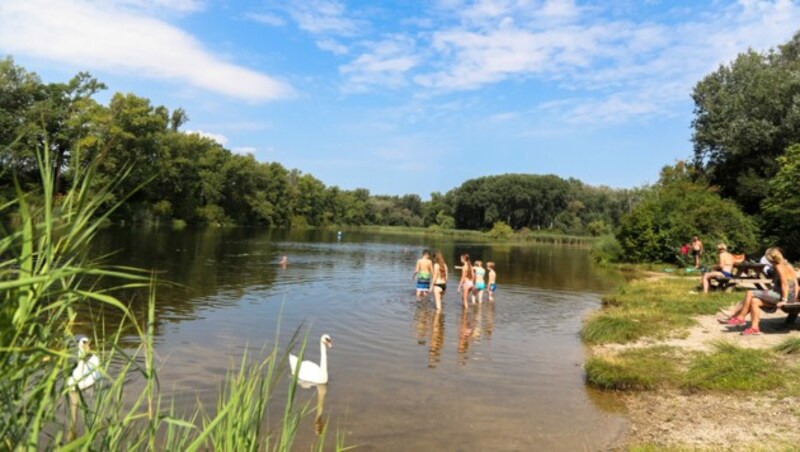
746, 275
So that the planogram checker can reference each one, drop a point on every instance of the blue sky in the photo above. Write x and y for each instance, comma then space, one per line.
411, 96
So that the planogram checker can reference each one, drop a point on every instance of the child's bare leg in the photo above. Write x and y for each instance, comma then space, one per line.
480, 296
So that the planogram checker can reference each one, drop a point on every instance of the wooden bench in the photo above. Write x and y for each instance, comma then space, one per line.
728, 284
793, 309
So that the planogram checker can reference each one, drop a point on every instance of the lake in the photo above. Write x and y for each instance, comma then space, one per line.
497, 376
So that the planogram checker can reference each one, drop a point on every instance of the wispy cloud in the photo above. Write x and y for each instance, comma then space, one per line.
385, 63
323, 17
98, 35
175, 5
624, 68
333, 46
270, 19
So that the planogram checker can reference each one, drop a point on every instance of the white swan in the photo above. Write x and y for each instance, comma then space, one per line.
311, 372
86, 373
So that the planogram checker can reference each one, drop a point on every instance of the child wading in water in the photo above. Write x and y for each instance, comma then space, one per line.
480, 283
423, 271
492, 280
467, 276
439, 278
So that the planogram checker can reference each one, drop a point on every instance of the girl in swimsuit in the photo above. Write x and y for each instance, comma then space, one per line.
466, 284
480, 284
439, 278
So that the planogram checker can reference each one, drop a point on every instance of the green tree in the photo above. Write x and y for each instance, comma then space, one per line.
746, 114
781, 208
675, 210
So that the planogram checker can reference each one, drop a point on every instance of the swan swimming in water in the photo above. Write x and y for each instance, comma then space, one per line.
311, 372
86, 372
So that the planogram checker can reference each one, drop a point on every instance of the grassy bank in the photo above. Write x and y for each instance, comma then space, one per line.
649, 311
480, 236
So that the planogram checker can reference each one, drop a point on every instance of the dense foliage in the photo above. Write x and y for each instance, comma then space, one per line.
539, 202
675, 210
192, 178
747, 114
781, 208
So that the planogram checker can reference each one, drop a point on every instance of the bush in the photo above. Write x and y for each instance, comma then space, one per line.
675, 211
500, 230
445, 221
597, 228
606, 250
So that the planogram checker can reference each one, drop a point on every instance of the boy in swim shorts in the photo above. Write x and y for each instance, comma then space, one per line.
492, 277
423, 273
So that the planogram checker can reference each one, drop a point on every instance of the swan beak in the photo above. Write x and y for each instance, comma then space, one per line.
329, 343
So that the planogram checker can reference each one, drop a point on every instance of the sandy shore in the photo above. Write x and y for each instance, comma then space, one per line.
682, 419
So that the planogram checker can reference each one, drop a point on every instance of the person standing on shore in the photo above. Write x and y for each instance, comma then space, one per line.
697, 250
423, 274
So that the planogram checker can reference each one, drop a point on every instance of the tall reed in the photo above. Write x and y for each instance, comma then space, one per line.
46, 278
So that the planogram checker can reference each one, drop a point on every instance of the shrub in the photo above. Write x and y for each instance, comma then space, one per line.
606, 250
500, 230
675, 211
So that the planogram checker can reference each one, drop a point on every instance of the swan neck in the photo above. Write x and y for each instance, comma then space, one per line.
323, 357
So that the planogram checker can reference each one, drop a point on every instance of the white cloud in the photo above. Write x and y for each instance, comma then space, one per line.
624, 68
385, 63
332, 46
176, 5
323, 17
270, 19
103, 36
218, 137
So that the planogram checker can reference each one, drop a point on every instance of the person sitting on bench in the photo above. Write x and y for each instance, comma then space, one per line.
784, 290
723, 269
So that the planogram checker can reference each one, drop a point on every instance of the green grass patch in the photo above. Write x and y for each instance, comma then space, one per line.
624, 326
732, 368
788, 347
652, 308
637, 369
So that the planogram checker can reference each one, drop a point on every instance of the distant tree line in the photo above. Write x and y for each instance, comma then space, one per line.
185, 176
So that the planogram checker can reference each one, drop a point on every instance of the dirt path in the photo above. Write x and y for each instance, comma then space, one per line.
674, 418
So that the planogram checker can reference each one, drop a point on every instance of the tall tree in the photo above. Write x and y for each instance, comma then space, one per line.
746, 114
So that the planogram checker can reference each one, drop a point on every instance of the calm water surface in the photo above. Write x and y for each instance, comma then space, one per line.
501, 376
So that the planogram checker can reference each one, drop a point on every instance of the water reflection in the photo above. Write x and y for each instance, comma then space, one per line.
465, 335
319, 423
437, 339
429, 329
